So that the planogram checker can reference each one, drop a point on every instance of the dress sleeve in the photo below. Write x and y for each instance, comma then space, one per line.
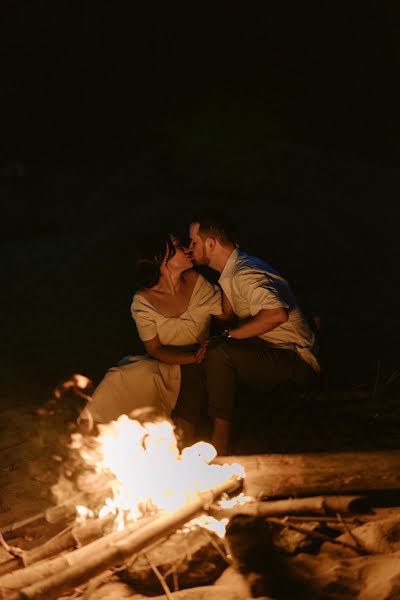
144, 318
260, 291
209, 297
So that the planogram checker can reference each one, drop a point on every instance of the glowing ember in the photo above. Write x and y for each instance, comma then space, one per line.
149, 471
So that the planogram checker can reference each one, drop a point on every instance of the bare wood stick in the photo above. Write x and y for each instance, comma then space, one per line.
115, 553
216, 546
316, 535
351, 534
22, 523
160, 578
324, 519
319, 505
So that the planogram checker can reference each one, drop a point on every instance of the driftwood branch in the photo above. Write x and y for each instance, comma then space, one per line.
108, 554
317, 505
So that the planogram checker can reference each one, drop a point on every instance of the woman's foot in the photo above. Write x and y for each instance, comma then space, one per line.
221, 436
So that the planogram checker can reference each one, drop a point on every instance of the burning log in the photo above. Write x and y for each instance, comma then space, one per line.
308, 474
106, 552
317, 505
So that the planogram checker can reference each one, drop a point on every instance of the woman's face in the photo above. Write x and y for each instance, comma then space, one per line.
181, 259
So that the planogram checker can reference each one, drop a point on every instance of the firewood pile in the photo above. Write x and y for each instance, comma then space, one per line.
307, 526
305, 547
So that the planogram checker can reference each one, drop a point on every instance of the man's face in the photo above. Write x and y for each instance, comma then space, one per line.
197, 246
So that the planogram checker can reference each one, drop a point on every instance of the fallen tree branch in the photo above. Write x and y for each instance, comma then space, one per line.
319, 505
109, 554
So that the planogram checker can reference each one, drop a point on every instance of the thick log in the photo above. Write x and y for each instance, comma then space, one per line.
309, 474
117, 552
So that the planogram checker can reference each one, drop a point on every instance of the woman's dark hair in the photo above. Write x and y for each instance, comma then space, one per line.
156, 248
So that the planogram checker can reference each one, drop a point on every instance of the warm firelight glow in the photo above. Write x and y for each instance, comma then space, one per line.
149, 472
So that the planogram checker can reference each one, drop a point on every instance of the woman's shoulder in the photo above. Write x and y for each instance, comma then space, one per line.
140, 300
205, 292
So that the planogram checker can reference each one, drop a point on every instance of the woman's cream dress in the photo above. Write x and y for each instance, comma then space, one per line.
148, 383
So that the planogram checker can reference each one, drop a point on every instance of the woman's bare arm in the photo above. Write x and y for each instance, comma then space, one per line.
172, 357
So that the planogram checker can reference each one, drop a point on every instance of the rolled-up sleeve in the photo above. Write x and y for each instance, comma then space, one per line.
260, 291
144, 319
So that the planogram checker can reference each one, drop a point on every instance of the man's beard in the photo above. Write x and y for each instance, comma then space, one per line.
203, 261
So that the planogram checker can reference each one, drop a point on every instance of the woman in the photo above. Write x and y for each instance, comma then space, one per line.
172, 310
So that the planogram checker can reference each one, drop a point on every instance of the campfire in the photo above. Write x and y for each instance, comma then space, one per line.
140, 493
147, 473
137, 517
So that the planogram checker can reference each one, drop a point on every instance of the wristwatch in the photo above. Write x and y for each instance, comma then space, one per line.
226, 333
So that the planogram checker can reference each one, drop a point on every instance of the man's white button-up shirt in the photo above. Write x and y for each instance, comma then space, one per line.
251, 285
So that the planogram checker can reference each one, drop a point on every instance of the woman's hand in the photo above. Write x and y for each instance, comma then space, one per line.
200, 354
173, 357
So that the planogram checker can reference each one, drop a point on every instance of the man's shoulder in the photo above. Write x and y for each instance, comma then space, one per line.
246, 262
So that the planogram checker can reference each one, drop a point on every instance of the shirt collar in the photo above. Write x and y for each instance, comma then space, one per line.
229, 267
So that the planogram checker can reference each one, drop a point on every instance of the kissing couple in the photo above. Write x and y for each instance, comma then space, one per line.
184, 373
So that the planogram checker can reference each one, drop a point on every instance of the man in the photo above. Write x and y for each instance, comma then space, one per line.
272, 343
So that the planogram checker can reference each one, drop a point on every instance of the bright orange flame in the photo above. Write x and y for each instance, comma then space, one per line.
150, 473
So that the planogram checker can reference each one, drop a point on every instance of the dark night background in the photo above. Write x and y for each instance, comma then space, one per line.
115, 118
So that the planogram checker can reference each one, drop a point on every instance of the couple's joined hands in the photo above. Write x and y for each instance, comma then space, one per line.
200, 353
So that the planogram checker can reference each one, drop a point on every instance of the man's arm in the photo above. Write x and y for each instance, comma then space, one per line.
172, 357
266, 320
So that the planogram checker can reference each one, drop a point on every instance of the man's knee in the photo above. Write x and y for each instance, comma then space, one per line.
218, 354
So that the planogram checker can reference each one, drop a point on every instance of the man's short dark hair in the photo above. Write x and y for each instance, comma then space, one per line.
218, 226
